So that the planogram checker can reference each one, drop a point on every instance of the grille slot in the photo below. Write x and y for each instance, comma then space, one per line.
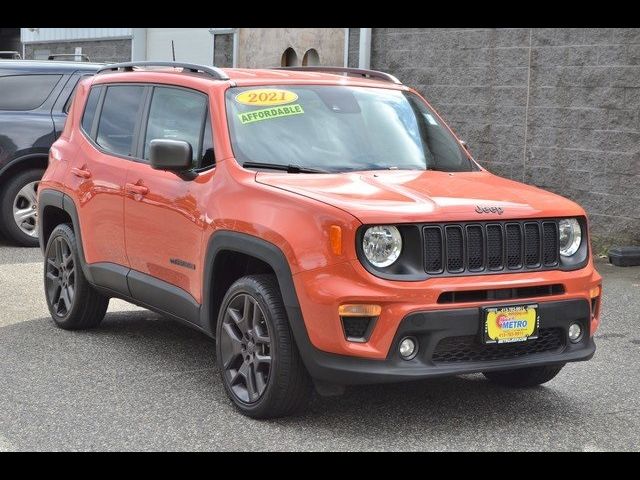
455, 248
532, 244
514, 246
550, 243
433, 249
475, 248
490, 246
471, 349
495, 247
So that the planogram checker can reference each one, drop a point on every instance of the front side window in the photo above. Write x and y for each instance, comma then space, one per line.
118, 118
26, 92
339, 129
177, 114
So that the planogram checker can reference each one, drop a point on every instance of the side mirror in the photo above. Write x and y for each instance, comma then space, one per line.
464, 144
173, 155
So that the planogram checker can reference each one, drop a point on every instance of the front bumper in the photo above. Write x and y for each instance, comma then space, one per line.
463, 324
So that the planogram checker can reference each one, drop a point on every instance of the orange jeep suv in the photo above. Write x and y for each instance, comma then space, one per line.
323, 224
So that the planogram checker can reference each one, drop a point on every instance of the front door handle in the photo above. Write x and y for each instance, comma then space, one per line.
136, 189
79, 172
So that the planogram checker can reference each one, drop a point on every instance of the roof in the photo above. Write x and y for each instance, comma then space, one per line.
258, 76
47, 66
176, 73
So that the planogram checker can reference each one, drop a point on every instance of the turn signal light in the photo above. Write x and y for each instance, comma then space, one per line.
595, 292
355, 310
335, 237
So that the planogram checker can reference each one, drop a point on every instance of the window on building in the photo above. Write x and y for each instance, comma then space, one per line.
118, 118
26, 92
177, 114
289, 58
311, 58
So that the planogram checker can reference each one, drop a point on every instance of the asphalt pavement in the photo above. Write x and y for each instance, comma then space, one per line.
143, 382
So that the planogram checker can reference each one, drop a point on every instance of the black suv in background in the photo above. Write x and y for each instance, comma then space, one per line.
34, 99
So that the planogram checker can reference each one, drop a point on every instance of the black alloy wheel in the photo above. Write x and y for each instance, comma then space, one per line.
60, 278
246, 348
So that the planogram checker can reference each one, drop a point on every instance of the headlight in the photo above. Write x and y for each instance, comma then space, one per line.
570, 236
382, 245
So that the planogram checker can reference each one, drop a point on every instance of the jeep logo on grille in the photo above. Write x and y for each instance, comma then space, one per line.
497, 210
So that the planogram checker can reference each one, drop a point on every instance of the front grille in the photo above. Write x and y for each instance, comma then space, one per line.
471, 349
490, 246
501, 294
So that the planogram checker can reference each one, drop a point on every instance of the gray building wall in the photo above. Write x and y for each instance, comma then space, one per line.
223, 50
117, 50
557, 108
354, 47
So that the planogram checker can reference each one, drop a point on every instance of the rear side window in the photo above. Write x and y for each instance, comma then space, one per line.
90, 109
177, 114
26, 92
118, 118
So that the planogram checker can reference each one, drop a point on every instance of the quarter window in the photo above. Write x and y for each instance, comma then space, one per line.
90, 109
26, 92
118, 118
177, 114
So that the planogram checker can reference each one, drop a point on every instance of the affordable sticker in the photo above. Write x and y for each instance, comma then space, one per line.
266, 97
268, 113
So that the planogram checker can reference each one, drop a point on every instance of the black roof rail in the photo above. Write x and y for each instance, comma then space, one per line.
215, 72
83, 57
348, 71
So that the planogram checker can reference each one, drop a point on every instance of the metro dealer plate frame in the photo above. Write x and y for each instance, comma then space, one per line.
510, 323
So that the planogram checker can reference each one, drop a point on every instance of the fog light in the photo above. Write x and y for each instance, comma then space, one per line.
575, 332
408, 348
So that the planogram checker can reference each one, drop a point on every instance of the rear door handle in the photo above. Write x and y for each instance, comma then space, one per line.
137, 189
79, 172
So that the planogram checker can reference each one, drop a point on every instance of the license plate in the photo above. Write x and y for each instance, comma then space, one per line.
514, 323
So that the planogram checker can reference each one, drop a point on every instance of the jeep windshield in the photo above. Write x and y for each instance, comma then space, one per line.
315, 129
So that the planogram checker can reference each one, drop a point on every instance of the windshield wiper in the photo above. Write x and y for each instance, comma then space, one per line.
285, 168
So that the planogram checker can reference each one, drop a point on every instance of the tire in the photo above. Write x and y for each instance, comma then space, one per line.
18, 194
525, 377
282, 386
73, 303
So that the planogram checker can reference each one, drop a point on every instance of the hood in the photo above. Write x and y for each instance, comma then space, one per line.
401, 196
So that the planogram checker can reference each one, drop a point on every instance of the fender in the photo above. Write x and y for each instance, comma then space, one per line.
24, 158
56, 198
274, 257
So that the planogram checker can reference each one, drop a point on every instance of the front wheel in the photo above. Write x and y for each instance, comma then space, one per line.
525, 377
259, 362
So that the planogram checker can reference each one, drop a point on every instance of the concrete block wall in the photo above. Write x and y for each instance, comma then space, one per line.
557, 108
107, 51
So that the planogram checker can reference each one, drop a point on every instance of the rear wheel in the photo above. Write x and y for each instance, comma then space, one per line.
525, 377
73, 303
259, 362
19, 208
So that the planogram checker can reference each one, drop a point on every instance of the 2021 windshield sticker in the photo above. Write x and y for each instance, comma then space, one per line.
269, 113
266, 97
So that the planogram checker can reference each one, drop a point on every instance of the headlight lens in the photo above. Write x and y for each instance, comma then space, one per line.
570, 236
382, 245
